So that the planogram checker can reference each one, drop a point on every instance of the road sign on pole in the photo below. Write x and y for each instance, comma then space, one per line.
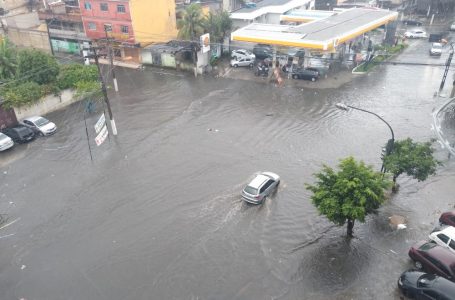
101, 137
100, 123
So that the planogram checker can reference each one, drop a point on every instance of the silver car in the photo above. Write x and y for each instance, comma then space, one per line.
242, 53
260, 187
40, 125
5, 142
243, 62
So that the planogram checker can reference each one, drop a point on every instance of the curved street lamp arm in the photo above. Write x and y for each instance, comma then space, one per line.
370, 112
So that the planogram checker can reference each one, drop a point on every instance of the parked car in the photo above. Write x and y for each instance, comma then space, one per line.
436, 49
241, 53
40, 125
419, 285
319, 64
260, 187
243, 62
445, 238
452, 26
306, 74
5, 142
20, 134
433, 258
263, 51
447, 218
412, 22
415, 34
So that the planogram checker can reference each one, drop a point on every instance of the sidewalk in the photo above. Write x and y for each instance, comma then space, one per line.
334, 79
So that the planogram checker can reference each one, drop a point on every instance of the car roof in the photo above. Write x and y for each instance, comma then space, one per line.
258, 181
445, 286
443, 255
450, 231
33, 119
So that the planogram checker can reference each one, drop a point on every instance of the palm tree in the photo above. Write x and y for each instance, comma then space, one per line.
191, 25
8, 65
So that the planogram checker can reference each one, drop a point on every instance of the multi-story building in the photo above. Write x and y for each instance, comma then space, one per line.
130, 23
64, 22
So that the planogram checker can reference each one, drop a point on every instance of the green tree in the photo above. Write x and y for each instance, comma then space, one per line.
71, 74
8, 62
413, 158
218, 25
37, 66
350, 194
191, 25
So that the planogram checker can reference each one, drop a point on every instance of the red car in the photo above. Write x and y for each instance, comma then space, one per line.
433, 258
447, 218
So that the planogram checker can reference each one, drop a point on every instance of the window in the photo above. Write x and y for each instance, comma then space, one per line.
452, 244
91, 26
108, 27
124, 29
88, 6
266, 186
121, 8
444, 238
104, 7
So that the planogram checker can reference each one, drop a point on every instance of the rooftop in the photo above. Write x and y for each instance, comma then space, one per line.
323, 34
267, 6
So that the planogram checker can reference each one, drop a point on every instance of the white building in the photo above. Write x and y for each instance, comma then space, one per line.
266, 11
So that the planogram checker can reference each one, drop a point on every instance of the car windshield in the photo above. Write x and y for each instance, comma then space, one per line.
250, 190
427, 246
426, 280
41, 122
437, 46
22, 131
3, 137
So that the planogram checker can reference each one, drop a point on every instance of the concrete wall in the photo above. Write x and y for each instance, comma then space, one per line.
46, 105
29, 38
23, 20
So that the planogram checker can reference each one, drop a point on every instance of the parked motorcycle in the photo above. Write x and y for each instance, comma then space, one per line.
261, 70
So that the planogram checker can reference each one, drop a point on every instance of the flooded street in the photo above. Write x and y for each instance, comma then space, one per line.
158, 214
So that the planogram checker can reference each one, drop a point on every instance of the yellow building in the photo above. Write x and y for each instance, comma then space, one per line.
153, 21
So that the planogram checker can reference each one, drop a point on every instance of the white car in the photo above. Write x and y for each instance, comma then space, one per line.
436, 49
415, 34
260, 187
242, 62
40, 125
452, 27
5, 142
445, 238
241, 53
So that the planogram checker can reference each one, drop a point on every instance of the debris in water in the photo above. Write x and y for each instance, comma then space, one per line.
397, 222
23, 267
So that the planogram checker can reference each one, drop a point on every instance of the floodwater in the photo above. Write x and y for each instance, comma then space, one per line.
158, 213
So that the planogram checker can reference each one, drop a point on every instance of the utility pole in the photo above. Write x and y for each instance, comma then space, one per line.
111, 59
103, 88
49, 35
449, 60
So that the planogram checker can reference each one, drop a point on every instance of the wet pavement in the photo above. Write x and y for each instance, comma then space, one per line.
158, 214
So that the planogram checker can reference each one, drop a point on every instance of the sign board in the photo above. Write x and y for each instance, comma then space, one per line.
101, 137
205, 43
99, 124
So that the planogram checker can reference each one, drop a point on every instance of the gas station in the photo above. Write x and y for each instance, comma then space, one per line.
325, 32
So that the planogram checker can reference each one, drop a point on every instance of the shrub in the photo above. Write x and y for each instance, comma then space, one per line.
37, 66
71, 74
22, 94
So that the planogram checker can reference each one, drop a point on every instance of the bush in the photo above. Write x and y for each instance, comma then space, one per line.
88, 89
22, 94
37, 66
71, 74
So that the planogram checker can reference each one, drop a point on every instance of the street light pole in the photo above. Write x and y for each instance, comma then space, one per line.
390, 143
